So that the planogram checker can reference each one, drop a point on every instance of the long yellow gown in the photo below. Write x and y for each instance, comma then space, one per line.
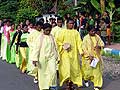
24, 52
90, 73
69, 66
44, 51
30, 41
55, 31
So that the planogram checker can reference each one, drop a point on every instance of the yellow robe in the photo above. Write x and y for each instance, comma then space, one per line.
24, 53
55, 31
46, 57
30, 41
69, 66
90, 73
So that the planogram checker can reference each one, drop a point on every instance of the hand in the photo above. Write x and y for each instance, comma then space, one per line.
35, 63
82, 54
16, 52
91, 58
97, 47
66, 46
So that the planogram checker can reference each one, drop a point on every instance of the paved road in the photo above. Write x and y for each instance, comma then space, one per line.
108, 85
12, 79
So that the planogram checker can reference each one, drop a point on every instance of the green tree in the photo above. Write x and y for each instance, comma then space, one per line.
68, 6
42, 6
8, 9
26, 12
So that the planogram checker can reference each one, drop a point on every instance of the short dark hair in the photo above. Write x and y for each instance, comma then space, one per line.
90, 27
47, 25
18, 25
42, 20
103, 19
39, 23
59, 18
69, 19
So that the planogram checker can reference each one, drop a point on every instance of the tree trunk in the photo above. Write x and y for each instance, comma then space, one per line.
56, 6
75, 1
102, 5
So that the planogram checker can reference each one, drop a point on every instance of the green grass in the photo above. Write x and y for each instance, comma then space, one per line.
116, 57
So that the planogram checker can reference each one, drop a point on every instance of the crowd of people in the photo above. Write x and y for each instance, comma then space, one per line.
43, 48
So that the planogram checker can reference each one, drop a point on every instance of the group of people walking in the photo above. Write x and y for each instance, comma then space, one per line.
43, 49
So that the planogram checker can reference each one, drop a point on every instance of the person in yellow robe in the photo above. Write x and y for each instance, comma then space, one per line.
56, 30
69, 47
92, 46
30, 41
45, 53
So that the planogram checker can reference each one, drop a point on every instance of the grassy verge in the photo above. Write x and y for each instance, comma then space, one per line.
116, 57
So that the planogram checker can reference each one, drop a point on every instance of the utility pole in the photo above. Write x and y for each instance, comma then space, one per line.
75, 3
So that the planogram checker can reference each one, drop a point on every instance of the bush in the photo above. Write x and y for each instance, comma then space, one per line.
26, 13
8, 9
69, 10
116, 31
110, 55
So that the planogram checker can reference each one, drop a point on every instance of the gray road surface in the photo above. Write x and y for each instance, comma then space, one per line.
12, 79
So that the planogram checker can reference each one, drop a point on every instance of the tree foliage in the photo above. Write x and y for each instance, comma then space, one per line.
82, 6
8, 9
25, 11
42, 6
96, 5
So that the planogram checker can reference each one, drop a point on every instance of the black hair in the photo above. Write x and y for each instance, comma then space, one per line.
47, 25
54, 18
7, 20
69, 19
2, 24
103, 19
24, 25
42, 20
59, 18
39, 23
90, 27
18, 25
